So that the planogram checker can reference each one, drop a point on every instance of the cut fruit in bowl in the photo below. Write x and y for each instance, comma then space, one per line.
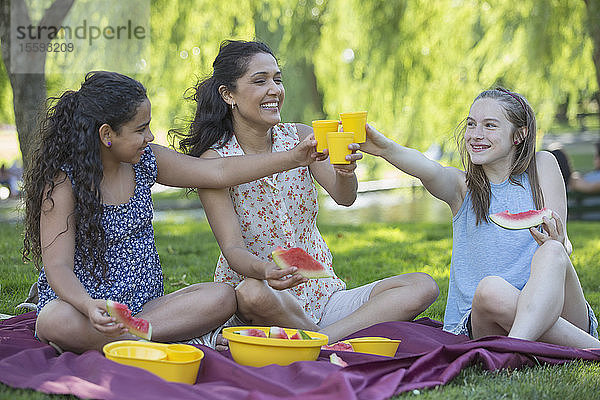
338, 346
256, 351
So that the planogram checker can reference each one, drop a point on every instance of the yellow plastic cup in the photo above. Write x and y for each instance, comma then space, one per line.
181, 352
355, 122
321, 127
381, 346
338, 142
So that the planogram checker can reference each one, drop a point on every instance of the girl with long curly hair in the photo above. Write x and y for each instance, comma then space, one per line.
88, 222
518, 283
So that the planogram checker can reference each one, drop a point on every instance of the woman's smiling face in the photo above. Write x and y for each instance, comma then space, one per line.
259, 93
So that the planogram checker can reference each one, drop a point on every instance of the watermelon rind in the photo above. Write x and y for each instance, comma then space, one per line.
523, 220
337, 360
276, 332
135, 326
338, 346
309, 268
304, 335
252, 332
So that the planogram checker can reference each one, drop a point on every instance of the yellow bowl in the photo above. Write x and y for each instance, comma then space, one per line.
181, 352
258, 352
158, 358
139, 352
375, 345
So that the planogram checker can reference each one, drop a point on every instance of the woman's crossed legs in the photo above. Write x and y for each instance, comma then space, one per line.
398, 298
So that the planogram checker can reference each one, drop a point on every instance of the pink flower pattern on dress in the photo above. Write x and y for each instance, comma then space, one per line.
281, 210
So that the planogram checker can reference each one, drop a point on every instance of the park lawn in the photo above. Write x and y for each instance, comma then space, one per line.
361, 254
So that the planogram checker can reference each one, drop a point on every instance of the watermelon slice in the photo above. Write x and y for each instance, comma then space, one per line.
339, 346
252, 332
521, 220
136, 326
276, 332
337, 360
307, 266
300, 335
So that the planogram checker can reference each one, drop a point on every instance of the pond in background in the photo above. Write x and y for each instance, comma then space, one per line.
179, 216
399, 205
396, 205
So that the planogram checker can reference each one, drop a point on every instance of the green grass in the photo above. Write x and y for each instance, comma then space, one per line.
361, 254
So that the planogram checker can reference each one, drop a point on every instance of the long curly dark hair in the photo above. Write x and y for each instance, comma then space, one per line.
69, 136
213, 121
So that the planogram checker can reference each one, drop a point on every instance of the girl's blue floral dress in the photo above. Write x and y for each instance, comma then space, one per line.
134, 274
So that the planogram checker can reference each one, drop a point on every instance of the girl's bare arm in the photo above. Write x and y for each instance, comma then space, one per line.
445, 183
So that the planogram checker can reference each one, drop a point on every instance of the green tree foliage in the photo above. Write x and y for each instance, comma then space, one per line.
296, 38
6, 106
415, 65
593, 26
185, 40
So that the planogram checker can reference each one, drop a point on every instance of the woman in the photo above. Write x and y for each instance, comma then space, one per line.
238, 112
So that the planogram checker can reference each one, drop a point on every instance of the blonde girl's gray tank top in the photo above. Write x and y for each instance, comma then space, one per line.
487, 249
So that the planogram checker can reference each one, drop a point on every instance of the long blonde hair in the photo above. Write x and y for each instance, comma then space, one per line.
518, 112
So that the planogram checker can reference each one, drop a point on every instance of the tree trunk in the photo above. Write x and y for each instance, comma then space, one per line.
593, 24
305, 101
29, 89
29, 94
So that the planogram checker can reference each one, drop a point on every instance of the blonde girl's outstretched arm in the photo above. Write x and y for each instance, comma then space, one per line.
176, 169
445, 183
57, 241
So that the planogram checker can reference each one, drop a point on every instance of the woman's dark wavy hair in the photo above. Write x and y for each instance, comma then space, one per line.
520, 114
563, 164
69, 135
213, 121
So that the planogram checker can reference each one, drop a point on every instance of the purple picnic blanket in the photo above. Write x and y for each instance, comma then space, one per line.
426, 357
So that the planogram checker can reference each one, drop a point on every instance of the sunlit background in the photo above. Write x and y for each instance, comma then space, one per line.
415, 65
